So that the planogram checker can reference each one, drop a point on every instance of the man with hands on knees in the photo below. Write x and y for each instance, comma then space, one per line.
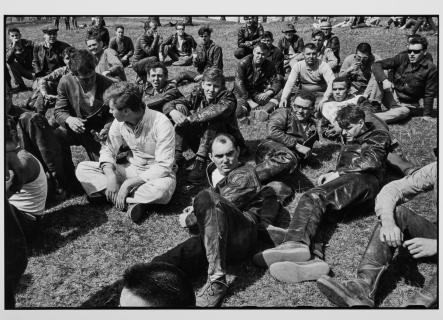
146, 175
396, 223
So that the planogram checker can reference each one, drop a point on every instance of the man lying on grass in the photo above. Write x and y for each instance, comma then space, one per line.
228, 215
146, 175
398, 227
357, 179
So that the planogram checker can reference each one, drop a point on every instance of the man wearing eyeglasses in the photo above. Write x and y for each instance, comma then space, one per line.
79, 111
178, 47
414, 78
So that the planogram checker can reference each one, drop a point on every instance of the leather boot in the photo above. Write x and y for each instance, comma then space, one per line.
426, 298
360, 292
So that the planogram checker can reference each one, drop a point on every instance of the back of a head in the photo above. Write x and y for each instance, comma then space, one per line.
204, 29
82, 62
364, 48
124, 95
161, 285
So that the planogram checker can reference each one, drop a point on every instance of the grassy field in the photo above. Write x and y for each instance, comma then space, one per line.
80, 252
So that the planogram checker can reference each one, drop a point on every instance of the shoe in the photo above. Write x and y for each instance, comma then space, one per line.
260, 115
353, 293
96, 199
137, 212
212, 294
198, 173
287, 251
295, 272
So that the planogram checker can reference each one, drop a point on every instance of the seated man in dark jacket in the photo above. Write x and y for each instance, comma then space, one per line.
19, 59
357, 180
158, 91
207, 55
275, 55
80, 112
178, 47
208, 110
291, 45
248, 36
229, 215
122, 45
146, 49
414, 78
256, 84
48, 55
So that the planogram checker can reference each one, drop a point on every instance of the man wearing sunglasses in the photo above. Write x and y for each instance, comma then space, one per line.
178, 47
413, 78
79, 111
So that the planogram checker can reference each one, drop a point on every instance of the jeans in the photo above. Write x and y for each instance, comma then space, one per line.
326, 201
187, 75
240, 53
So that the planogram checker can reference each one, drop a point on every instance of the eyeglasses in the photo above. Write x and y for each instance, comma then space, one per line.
414, 51
296, 106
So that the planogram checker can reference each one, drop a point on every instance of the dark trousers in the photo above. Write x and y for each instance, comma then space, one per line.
18, 72
67, 138
326, 201
187, 75
240, 53
140, 66
420, 21
16, 258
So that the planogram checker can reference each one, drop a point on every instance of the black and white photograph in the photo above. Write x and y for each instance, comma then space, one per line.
241, 161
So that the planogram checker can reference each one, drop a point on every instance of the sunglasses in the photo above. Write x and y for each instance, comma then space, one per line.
414, 51
296, 106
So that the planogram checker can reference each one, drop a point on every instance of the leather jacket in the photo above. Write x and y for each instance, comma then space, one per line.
188, 43
208, 56
156, 101
249, 79
367, 153
283, 127
244, 186
253, 35
46, 60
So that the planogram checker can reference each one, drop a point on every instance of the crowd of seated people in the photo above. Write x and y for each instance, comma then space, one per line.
136, 134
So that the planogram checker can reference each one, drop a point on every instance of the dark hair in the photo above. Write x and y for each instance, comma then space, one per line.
333, 40
204, 29
125, 95
93, 33
147, 22
214, 74
262, 46
349, 115
119, 26
161, 284
180, 24
268, 34
223, 138
311, 46
155, 65
343, 79
68, 51
419, 40
365, 48
11, 30
318, 33
82, 62
306, 95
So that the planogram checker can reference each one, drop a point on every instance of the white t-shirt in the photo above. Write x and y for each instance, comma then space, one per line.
216, 177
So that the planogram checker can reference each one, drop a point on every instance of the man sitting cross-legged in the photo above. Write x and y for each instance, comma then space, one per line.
398, 227
147, 176
256, 84
341, 98
156, 285
158, 90
178, 47
357, 180
248, 36
208, 110
310, 74
122, 44
229, 216
206, 55
291, 130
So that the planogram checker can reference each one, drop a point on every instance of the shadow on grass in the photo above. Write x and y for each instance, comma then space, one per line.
62, 226
106, 297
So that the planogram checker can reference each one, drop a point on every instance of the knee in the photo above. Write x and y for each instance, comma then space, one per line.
205, 200
33, 119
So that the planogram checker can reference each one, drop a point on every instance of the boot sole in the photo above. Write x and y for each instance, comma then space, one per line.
298, 272
337, 295
271, 256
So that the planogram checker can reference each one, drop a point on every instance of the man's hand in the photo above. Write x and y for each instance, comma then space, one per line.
161, 57
326, 177
182, 217
49, 97
198, 78
391, 234
121, 196
124, 58
248, 43
177, 117
353, 68
262, 97
387, 85
421, 247
283, 103
106, 73
112, 188
306, 151
76, 124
